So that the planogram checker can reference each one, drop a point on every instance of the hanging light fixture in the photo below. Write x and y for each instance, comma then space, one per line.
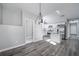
39, 19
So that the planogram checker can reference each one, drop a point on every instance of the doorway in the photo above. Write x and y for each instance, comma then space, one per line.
73, 30
28, 31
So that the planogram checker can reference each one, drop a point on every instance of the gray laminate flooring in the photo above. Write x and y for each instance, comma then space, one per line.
44, 48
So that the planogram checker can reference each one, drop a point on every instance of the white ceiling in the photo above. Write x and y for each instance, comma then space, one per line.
69, 10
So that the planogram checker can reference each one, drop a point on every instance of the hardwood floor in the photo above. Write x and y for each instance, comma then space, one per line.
44, 48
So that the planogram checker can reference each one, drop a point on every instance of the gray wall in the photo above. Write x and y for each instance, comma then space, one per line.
78, 28
0, 13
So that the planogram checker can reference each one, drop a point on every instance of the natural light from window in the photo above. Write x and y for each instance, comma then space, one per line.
50, 41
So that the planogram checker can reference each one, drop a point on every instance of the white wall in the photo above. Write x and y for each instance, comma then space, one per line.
27, 24
32, 30
38, 33
28, 27
11, 15
68, 30
28, 30
11, 36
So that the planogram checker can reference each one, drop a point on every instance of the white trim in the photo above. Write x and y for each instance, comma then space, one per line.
2, 50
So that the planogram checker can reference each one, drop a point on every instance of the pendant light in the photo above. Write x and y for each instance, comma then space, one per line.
39, 19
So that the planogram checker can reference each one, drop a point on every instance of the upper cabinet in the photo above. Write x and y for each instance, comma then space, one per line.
10, 15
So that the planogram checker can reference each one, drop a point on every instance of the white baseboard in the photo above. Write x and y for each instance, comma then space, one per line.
2, 50
37, 40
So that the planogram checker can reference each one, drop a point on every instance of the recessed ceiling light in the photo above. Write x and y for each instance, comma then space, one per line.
57, 11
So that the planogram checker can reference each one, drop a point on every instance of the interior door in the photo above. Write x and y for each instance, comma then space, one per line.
28, 31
